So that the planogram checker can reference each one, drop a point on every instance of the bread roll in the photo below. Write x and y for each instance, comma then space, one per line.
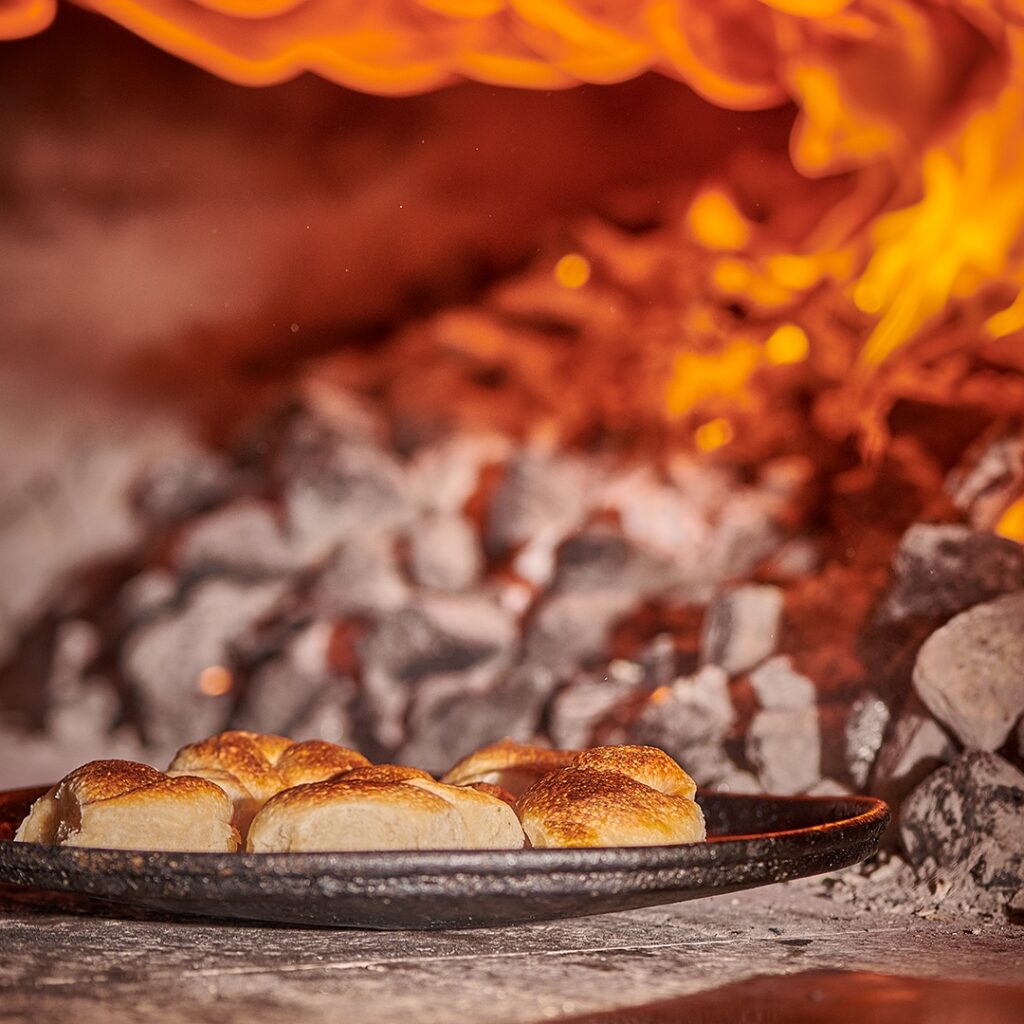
613, 796
123, 805
251, 767
383, 807
512, 766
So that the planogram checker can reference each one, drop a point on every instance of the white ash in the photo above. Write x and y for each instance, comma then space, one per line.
783, 741
243, 538
600, 558
941, 570
162, 659
580, 706
784, 746
146, 594
535, 561
82, 705
539, 491
183, 484
690, 720
445, 552
864, 733
660, 517
572, 629
444, 474
341, 492
453, 716
741, 627
963, 828
362, 577
796, 558
969, 673
780, 687
343, 413
440, 634
281, 690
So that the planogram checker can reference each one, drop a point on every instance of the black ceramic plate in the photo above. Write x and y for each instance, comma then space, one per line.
755, 840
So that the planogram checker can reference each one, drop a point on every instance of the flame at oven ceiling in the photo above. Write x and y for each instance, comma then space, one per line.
920, 102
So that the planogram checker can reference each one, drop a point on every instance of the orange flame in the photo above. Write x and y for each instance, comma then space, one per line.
925, 101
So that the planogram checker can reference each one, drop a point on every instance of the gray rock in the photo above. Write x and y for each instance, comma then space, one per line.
453, 716
539, 493
671, 521
741, 627
746, 532
689, 720
444, 552
82, 707
361, 577
282, 690
915, 747
731, 779
146, 594
243, 538
779, 686
784, 746
581, 705
163, 658
601, 558
444, 475
970, 673
182, 484
341, 412
864, 733
328, 716
571, 629
796, 558
347, 491
941, 570
442, 635
965, 825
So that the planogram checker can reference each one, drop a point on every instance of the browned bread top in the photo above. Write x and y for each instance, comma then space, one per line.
613, 796
316, 760
127, 805
511, 765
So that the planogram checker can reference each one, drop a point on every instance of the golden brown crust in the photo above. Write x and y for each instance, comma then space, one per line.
649, 765
250, 757
382, 773
315, 761
511, 765
127, 805
613, 796
251, 767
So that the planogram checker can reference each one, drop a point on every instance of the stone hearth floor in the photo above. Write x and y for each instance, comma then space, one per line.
63, 961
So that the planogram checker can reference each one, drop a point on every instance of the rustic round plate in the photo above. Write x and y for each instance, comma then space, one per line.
755, 840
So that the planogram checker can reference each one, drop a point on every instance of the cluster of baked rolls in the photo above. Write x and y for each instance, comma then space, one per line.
268, 794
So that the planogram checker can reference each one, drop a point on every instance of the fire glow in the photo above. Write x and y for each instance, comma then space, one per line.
917, 108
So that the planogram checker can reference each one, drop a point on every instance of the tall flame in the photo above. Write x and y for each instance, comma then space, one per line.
923, 100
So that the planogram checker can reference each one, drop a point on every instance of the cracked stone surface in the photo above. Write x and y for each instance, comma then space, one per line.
69, 961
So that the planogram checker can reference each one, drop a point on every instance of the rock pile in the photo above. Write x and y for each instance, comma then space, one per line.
419, 602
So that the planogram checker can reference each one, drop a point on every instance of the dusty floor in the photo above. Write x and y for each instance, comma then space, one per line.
70, 963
